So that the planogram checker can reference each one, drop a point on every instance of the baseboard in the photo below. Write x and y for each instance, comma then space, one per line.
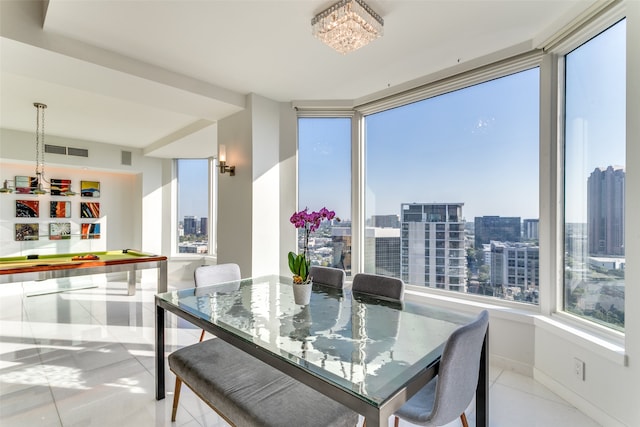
576, 400
511, 365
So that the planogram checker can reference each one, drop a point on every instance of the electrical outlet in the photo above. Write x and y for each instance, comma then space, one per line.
578, 369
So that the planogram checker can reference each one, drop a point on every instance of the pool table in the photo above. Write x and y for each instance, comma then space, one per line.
55, 266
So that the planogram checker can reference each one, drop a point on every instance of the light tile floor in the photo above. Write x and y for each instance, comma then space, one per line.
85, 358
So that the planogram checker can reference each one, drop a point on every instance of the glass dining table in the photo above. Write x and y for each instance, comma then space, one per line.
368, 353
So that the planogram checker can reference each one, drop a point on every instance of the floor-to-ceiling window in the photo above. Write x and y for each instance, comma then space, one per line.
451, 179
192, 177
594, 178
324, 180
451, 197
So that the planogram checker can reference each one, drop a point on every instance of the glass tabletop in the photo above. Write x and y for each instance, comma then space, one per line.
367, 346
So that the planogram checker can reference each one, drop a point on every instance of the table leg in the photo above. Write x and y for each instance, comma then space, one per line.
159, 352
162, 277
131, 280
482, 390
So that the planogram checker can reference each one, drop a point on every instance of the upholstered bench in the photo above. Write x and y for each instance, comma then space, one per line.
247, 392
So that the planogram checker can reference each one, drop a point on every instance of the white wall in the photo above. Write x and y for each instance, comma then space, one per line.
288, 183
128, 194
253, 204
235, 193
266, 188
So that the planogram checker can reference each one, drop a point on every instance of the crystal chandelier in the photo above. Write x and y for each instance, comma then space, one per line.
347, 25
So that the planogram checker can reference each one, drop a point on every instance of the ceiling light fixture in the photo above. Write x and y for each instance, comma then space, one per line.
347, 25
40, 148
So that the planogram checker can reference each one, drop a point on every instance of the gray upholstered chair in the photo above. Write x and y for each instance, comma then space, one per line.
207, 275
384, 286
446, 397
328, 276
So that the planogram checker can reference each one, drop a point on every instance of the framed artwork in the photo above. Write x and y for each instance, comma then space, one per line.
60, 210
90, 231
89, 210
27, 232
27, 208
90, 188
26, 184
59, 230
60, 186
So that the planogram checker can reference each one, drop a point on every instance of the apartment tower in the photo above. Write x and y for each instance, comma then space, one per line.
605, 211
432, 245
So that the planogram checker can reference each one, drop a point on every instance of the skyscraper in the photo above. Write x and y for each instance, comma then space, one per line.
385, 221
190, 225
501, 228
530, 229
432, 245
383, 250
605, 211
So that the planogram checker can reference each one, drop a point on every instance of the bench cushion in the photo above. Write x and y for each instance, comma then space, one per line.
248, 392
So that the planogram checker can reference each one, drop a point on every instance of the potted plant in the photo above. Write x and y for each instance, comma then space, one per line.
299, 264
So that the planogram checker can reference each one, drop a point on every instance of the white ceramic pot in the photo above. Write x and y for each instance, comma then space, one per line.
302, 293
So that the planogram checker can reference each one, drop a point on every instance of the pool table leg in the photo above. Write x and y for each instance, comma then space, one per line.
162, 277
131, 281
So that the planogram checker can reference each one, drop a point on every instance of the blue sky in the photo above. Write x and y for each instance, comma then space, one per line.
475, 146
595, 113
478, 145
192, 194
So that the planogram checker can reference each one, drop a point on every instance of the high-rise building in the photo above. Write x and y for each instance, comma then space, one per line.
432, 245
204, 226
500, 228
190, 225
385, 221
515, 270
382, 251
605, 211
341, 245
530, 229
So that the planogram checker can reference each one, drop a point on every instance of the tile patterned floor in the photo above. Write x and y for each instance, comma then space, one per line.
85, 358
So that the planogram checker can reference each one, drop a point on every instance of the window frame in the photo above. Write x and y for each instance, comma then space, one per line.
492, 71
548, 56
557, 67
315, 111
212, 185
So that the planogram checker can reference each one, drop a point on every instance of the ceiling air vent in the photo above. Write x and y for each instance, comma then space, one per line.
80, 152
126, 158
55, 149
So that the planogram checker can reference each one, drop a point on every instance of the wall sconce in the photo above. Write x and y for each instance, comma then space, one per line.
222, 161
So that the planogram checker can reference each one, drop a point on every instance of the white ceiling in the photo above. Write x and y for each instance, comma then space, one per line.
157, 75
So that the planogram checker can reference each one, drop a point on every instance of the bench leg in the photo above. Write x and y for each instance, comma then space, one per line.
176, 398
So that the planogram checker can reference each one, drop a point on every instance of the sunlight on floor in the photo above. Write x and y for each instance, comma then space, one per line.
86, 357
